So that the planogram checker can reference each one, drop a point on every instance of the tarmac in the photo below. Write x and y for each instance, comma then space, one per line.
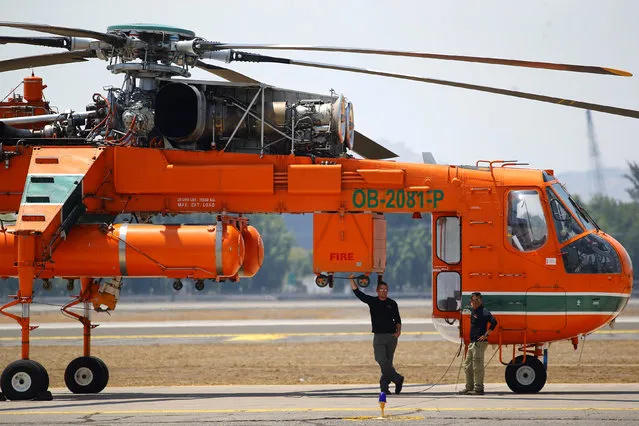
583, 404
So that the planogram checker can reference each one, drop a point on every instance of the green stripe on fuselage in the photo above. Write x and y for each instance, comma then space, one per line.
560, 302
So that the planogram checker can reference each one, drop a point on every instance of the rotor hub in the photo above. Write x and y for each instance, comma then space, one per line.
130, 29
147, 69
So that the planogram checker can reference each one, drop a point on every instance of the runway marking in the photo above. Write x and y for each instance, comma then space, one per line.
402, 418
256, 337
317, 409
237, 336
242, 337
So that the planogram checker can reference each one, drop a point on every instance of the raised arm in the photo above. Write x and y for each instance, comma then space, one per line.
351, 278
360, 295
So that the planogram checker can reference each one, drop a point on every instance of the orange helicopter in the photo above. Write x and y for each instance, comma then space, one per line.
166, 146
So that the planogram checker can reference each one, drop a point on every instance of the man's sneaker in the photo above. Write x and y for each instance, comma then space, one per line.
399, 384
476, 392
464, 392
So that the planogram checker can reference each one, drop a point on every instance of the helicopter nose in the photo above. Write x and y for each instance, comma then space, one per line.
622, 283
626, 263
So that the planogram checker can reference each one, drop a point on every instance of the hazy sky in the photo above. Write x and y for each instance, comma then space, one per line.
458, 126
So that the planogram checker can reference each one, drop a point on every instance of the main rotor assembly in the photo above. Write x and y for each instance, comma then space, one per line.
305, 124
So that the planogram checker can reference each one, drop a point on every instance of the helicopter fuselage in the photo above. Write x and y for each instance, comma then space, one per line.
513, 234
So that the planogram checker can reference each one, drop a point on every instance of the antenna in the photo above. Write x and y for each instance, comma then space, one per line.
595, 157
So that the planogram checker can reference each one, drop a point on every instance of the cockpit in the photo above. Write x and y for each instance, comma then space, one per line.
527, 230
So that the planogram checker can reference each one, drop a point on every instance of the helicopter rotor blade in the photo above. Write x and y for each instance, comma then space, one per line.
112, 39
370, 149
44, 60
239, 56
494, 61
63, 42
225, 73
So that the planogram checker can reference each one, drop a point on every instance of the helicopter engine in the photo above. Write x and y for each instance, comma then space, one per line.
127, 112
137, 112
229, 117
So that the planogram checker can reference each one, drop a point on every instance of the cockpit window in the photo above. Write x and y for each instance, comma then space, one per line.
591, 255
565, 224
527, 228
575, 208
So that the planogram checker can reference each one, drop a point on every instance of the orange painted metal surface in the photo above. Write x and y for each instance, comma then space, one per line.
253, 252
32, 103
128, 179
33, 88
490, 264
349, 243
176, 251
540, 328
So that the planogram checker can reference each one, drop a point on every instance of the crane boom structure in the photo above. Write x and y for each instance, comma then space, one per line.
117, 180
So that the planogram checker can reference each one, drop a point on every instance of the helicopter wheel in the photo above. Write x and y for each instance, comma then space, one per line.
24, 379
321, 281
525, 378
177, 285
199, 285
105, 369
86, 374
45, 375
363, 281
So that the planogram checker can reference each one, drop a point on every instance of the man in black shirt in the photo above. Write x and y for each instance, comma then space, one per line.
480, 317
387, 327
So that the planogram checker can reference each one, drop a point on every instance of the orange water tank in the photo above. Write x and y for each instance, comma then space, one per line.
254, 252
174, 251
33, 88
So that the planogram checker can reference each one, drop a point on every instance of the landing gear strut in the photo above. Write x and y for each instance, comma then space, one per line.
25, 378
85, 374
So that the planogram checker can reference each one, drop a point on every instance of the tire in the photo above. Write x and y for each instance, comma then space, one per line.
22, 380
363, 281
321, 281
45, 376
525, 378
105, 369
86, 374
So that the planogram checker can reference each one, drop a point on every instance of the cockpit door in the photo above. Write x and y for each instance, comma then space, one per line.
447, 273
